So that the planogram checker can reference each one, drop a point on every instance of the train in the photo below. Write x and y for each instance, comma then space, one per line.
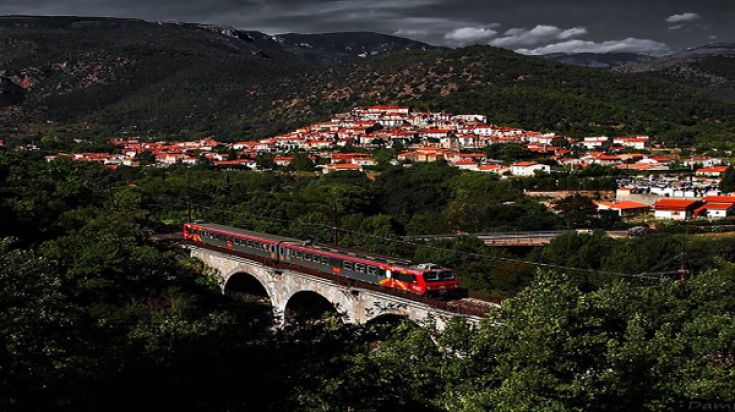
424, 279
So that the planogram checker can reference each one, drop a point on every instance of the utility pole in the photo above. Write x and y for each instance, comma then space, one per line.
188, 206
683, 264
683, 272
335, 234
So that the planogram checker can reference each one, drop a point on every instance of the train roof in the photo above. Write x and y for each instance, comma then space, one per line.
360, 254
231, 229
357, 254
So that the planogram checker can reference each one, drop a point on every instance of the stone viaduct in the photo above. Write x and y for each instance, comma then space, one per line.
286, 289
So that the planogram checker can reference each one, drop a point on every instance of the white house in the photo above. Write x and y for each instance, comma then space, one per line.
596, 142
465, 164
717, 210
528, 168
470, 118
624, 208
675, 209
637, 142
492, 168
705, 161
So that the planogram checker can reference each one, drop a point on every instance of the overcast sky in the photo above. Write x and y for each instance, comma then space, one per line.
528, 26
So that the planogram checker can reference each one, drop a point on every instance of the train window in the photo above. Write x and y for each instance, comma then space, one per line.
325, 260
372, 270
299, 255
405, 277
360, 267
271, 248
347, 265
446, 275
307, 256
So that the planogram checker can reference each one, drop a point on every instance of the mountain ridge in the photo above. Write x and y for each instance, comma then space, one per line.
99, 78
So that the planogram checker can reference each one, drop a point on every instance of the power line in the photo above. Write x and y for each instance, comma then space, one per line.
640, 276
648, 275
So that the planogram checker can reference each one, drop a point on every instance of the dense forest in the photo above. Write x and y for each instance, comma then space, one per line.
97, 315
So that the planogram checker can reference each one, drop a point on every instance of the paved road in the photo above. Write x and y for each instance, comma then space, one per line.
516, 239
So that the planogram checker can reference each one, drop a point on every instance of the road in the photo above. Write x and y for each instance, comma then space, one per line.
517, 239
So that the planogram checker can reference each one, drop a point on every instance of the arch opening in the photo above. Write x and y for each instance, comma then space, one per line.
246, 288
309, 307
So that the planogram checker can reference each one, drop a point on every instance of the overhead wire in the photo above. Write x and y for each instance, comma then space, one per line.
640, 276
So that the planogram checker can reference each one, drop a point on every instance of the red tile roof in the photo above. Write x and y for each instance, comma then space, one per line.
491, 167
719, 206
624, 205
464, 162
719, 199
677, 204
713, 169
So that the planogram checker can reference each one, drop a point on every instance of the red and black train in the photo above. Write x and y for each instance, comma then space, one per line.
422, 279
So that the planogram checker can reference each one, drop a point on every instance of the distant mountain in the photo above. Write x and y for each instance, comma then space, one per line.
710, 67
712, 48
327, 47
597, 60
354, 44
103, 77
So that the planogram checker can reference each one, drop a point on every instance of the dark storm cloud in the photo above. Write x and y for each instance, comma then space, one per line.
532, 26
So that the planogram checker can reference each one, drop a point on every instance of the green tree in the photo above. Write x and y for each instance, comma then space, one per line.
577, 210
302, 162
727, 183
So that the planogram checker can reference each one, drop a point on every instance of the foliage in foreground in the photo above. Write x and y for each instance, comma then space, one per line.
95, 316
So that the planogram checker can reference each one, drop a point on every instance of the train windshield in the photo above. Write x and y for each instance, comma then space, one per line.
438, 275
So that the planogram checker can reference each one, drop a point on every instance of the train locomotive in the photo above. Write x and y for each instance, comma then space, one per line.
422, 279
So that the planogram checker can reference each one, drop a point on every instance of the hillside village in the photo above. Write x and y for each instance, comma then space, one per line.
673, 185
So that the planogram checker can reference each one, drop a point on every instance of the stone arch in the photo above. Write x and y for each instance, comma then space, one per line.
308, 306
247, 287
